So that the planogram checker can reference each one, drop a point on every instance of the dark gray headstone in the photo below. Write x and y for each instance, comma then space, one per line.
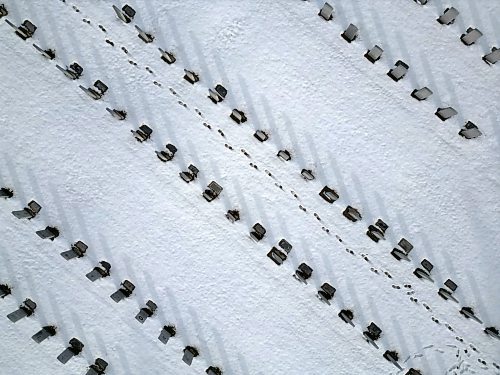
48, 233
374, 54
4, 290
145, 37
44, 333
471, 36
399, 71
421, 94
166, 333
470, 131
448, 16
445, 113
189, 353
493, 56
326, 12
284, 155
6, 193
3, 11
75, 348
351, 33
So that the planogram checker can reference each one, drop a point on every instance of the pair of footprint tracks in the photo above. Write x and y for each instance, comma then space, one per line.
407, 288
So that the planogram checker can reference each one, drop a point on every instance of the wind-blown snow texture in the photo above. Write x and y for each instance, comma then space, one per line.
315, 95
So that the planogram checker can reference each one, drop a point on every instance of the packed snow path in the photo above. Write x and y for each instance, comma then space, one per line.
316, 96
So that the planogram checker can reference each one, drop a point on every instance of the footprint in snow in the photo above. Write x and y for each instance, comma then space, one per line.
207, 125
229, 147
221, 133
149, 70
125, 50
157, 83
110, 42
103, 29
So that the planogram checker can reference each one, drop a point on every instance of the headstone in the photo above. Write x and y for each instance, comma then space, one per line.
350, 33
285, 245
3, 11
425, 271
347, 316
381, 225
421, 94
303, 273
189, 353
448, 17
284, 155
144, 36
212, 370
492, 331
372, 333
117, 113
258, 232
493, 56
146, 312
468, 312
143, 133
399, 71
421, 2
352, 214
98, 368
123, 292
4, 290
328, 194
6, 193
450, 284
412, 371
190, 174
78, 250
126, 14
212, 191
326, 12
374, 54
277, 256
233, 215
75, 348
307, 174
96, 92
167, 154
218, 94
375, 233
74, 71
445, 113
326, 293
26, 30
392, 356
470, 131
191, 76
28, 212
101, 271
261, 135
238, 116
166, 333
470, 36
50, 233
47, 53
27, 308
44, 333
168, 57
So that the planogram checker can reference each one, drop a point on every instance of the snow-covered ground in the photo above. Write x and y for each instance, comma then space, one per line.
315, 95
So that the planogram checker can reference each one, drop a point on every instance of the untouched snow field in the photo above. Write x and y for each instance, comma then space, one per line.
315, 95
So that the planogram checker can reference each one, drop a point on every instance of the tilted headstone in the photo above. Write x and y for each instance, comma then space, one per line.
168, 57
493, 332
326, 12
25, 30
166, 333
347, 316
212, 370
285, 245
3, 11
374, 54
27, 308
123, 292
421, 94
493, 56
448, 293
404, 250
143, 133
381, 225
146, 312
191, 76
48, 53
218, 94
117, 113
212, 191
74, 71
277, 256
372, 333
167, 154
284, 155
328, 194
101, 271
126, 14
238, 116
233, 215
326, 293
6, 193
78, 250
307, 174
96, 92
50, 233
4, 290
144, 36
189, 353
28, 212
471, 36
375, 233
468, 312
399, 71
303, 273
352, 214
44, 333
425, 271
351, 33
445, 113
261, 135
392, 356
98, 367
190, 174
448, 17
470, 131
258, 232
75, 348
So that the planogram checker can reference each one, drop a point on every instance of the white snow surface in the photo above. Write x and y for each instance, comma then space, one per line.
314, 94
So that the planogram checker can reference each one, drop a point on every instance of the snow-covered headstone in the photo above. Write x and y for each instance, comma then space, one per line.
493, 56
168, 57
218, 94
167, 154
143, 133
261, 135
191, 76
277, 256
117, 113
212, 191
190, 174
307, 174
284, 155
126, 14
326, 293
144, 36
469, 131
4, 290
303, 273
